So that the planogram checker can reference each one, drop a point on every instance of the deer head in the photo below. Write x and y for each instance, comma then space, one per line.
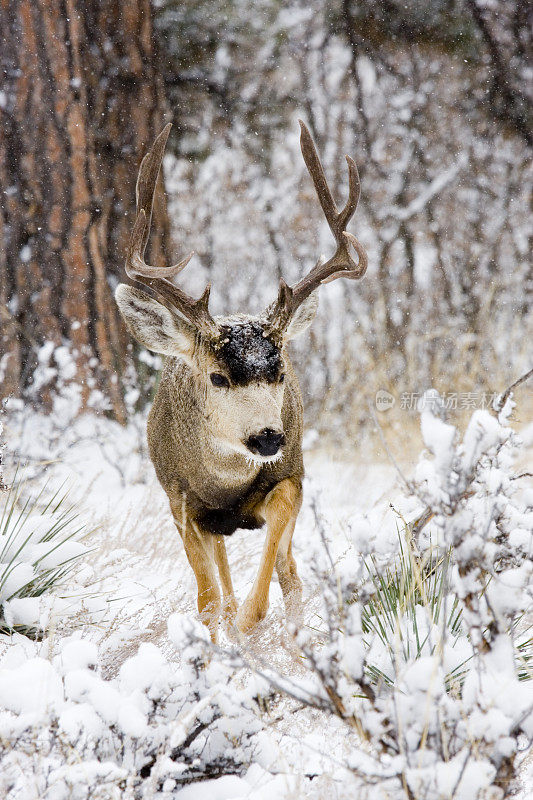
237, 363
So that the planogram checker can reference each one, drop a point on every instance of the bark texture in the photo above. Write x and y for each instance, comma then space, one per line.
80, 101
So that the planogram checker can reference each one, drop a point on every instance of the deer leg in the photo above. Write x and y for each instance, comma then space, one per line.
278, 509
229, 605
289, 581
200, 551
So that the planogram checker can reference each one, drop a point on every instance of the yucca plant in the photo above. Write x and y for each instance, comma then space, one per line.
39, 547
412, 611
524, 652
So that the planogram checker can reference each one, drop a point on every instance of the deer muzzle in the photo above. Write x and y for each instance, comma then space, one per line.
266, 443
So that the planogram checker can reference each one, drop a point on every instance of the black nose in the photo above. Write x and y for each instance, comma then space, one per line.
266, 443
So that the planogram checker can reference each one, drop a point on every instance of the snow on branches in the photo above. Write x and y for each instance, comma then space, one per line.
67, 731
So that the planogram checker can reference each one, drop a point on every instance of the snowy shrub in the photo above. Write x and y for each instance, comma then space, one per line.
67, 732
424, 667
39, 547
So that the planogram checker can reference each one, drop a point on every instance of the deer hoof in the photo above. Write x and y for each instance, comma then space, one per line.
229, 610
248, 615
294, 607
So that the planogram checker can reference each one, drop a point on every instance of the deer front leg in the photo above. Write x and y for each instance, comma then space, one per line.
229, 605
289, 581
279, 508
200, 551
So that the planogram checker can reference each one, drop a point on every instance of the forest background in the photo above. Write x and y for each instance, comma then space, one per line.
430, 98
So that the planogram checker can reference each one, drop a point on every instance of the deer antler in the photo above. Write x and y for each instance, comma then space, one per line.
342, 264
196, 311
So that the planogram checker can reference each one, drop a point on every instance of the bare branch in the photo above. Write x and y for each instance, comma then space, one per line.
502, 399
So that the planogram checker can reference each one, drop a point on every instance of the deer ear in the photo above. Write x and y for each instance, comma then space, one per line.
303, 317
153, 325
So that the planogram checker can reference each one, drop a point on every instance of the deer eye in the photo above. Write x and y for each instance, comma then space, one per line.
282, 377
219, 380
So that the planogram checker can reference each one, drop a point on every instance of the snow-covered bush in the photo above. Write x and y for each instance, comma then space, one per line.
433, 690
68, 732
39, 547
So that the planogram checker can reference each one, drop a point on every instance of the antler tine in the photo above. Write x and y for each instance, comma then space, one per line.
196, 311
342, 264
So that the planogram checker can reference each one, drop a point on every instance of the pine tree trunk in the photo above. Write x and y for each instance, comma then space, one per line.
80, 100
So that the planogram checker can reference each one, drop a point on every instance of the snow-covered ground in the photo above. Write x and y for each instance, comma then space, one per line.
135, 576
136, 572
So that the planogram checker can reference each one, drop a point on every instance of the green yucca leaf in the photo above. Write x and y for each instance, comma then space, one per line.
62, 525
416, 585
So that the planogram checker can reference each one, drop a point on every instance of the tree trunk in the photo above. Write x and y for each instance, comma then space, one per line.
80, 101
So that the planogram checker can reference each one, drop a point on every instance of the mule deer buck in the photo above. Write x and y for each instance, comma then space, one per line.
225, 428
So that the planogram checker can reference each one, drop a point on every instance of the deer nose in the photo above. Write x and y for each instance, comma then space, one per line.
266, 443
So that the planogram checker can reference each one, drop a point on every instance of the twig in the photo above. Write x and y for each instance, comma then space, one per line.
407, 483
502, 399
420, 522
